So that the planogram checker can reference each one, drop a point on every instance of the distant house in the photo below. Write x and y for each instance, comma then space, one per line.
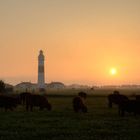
25, 86
56, 85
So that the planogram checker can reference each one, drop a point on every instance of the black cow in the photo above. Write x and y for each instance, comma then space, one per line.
116, 98
130, 106
9, 102
38, 101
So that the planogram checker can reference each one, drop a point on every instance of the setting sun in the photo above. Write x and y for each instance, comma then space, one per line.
113, 71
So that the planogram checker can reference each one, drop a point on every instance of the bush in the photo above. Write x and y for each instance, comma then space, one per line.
2, 86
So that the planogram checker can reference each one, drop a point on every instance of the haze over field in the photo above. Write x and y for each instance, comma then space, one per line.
84, 41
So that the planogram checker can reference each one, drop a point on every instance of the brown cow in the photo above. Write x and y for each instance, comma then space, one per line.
116, 98
38, 101
78, 102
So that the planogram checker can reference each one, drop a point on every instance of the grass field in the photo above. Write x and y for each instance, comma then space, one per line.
100, 123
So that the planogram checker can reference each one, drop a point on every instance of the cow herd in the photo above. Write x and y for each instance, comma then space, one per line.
124, 103
29, 101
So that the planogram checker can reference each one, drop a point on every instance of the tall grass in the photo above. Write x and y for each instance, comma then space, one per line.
100, 123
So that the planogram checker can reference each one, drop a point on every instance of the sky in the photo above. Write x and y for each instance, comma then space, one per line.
82, 41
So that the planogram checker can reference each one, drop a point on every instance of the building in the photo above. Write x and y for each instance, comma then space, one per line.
55, 85
25, 86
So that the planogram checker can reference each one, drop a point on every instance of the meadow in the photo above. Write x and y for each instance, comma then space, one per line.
100, 123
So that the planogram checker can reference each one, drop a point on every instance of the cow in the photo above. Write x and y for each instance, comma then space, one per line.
78, 103
40, 101
82, 95
9, 102
116, 98
130, 106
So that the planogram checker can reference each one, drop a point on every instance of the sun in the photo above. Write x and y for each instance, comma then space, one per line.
113, 71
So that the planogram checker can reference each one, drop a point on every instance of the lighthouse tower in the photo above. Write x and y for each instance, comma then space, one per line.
41, 75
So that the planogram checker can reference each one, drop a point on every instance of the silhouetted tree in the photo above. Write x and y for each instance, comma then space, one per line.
2, 86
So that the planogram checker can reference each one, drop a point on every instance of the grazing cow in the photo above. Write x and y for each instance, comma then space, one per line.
78, 103
8, 102
23, 97
38, 101
116, 98
130, 106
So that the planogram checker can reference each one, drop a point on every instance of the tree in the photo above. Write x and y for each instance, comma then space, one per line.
2, 86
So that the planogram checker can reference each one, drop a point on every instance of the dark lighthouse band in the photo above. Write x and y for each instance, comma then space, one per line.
41, 69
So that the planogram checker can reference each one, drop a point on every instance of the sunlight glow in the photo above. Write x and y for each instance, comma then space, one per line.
113, 71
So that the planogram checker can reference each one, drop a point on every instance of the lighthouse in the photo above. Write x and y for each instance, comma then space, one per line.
41, 74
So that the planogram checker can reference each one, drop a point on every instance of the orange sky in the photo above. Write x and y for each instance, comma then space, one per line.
82, 40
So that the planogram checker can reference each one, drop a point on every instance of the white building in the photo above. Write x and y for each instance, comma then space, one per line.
55, 85
25, 86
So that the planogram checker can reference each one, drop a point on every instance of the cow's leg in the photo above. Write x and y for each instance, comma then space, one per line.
119, 110
41, 108
11, 108
135, 113
110, 104
122, 113
31, 108
76, 109
23, 101
5, 109
27, 107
